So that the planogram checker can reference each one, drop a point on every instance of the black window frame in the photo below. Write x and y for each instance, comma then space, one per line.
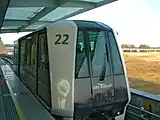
85, 49
44, 31
111, 52
88, 51
37, 50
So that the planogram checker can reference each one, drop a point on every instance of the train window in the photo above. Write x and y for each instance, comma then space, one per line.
43, 69
28, 52
99, 54
81, 66
33, 56
16, 57
117, 65
22, 58
27, 55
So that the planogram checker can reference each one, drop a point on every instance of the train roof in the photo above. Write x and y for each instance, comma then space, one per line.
82, 24
91, 24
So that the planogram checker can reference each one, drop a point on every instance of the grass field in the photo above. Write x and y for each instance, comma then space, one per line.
144, 71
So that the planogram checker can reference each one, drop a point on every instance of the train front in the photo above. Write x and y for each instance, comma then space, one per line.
101, 86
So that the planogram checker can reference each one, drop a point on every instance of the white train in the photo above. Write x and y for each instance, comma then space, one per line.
76, 69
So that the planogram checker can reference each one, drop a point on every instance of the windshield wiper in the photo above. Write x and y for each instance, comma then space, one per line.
103, 72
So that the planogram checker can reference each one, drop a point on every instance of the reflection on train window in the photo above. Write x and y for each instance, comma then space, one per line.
99, 54
16, 58
22, 58
22, 54
81, 66
117, 65
28, 53
43, 69
33, 56
43, 54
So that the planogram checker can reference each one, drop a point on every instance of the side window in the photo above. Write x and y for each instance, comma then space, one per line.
117, 64
43, 53
99, 53
16, 54
28, 51
28, 56
33, 55
81, 66
43, 69
22, 58
22, 54
16, 58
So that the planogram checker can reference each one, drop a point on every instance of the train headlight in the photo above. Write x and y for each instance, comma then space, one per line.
118, 113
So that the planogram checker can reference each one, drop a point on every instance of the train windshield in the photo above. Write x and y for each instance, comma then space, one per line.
92, 48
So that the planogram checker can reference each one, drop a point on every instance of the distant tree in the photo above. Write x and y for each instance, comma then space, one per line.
132, 46
144, 46
123, 46
8, 45
127, 46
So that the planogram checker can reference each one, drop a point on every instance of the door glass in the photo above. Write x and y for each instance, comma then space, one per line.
81, 66
99, 53
43, 70
117, 65
22, 58
33, 56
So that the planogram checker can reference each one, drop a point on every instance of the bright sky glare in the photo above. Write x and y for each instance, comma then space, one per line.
137, 21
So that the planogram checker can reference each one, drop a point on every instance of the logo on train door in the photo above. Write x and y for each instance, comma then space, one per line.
102, 86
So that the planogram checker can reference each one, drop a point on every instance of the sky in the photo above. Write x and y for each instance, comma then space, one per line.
137, 21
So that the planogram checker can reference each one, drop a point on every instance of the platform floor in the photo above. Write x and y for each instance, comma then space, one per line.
16, 101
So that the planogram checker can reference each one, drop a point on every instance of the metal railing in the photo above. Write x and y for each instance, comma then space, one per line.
137, 113
143, 106
10, 61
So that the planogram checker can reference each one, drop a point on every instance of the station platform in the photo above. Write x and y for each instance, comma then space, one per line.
16, 101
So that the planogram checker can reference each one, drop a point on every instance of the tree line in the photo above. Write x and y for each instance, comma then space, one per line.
143, 46
9, 45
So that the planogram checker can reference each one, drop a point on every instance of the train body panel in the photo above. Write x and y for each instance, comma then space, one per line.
62, 44
78, 70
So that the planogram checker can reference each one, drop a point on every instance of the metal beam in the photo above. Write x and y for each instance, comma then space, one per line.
86, 9
32, 3
9, 22
3, 9
4, 3
105, 2
37, 17
16, 30
42, 13
48, 3
82, 4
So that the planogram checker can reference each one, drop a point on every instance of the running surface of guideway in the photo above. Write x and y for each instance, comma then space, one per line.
30, 15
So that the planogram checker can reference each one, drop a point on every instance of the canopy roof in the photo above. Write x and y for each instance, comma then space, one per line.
29, 15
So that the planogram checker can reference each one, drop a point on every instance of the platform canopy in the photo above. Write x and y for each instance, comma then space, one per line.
29, 15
